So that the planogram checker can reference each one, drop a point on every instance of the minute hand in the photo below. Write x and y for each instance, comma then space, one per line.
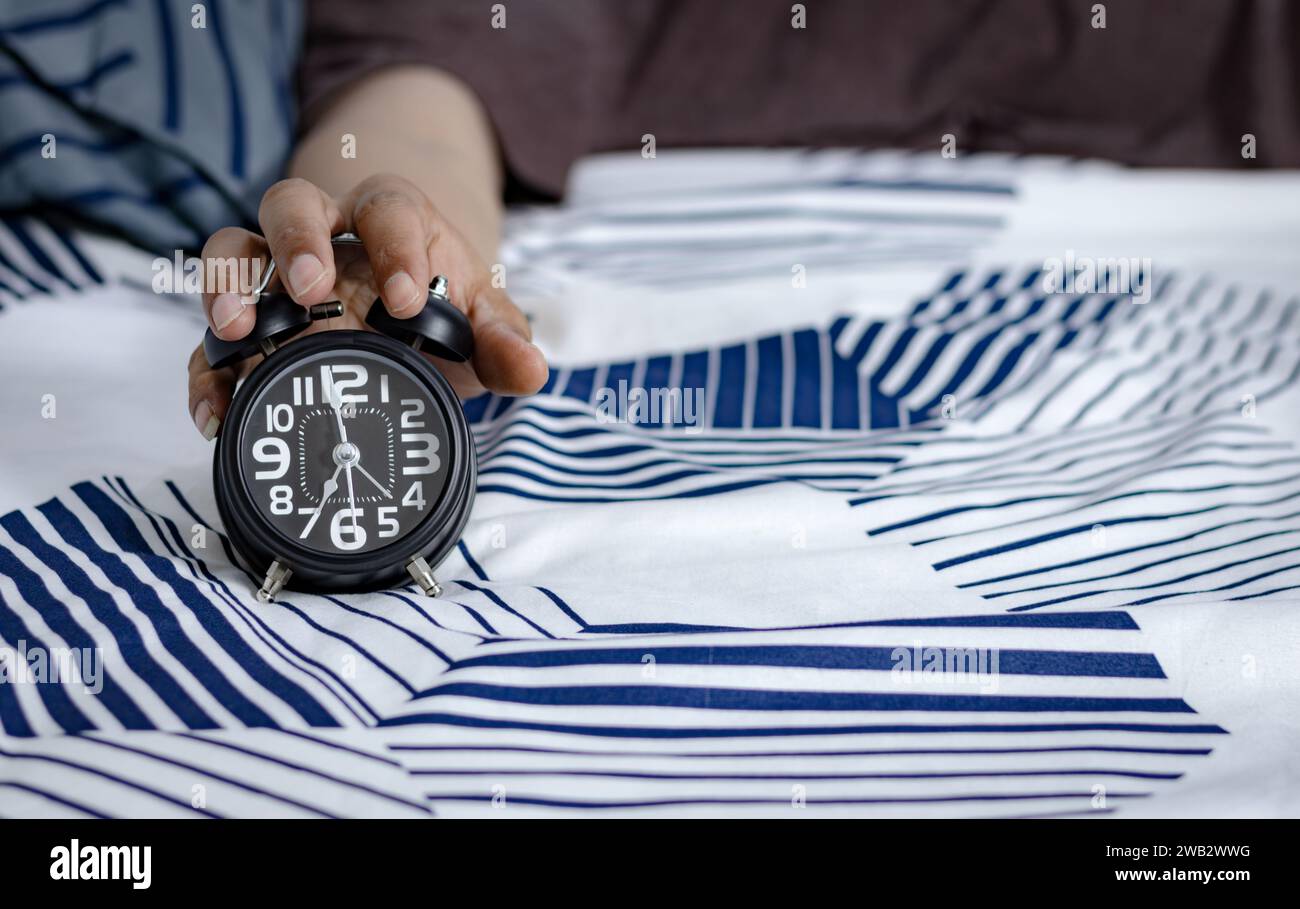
336, 402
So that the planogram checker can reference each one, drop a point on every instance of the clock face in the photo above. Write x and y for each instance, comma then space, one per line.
345, 452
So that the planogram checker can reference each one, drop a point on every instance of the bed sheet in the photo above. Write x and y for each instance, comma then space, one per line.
929, 542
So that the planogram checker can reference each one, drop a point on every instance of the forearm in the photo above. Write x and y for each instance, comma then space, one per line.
420, 124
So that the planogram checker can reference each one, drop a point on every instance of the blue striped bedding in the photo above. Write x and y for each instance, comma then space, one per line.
939, 544
155, 120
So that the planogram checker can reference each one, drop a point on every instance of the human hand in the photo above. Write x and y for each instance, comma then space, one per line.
406, 242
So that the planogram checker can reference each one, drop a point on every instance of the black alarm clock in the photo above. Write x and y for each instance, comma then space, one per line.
345, 462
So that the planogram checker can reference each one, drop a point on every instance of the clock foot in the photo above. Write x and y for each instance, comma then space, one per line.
276, 577
420, 571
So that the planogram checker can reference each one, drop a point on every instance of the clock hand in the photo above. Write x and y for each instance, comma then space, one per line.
331, 487
336, 401
365, 473
352, 499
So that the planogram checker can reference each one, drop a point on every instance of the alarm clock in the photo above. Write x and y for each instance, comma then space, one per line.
345, 462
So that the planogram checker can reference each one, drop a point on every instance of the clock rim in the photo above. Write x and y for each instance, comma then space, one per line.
257, 538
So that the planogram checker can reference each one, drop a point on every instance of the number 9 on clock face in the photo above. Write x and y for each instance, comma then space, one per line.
344, 452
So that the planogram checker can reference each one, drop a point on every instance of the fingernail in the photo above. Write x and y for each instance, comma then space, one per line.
305, 271
206, 421
401, 292
226, 308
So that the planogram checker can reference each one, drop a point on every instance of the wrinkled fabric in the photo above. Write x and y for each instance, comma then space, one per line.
154, 122
936, 542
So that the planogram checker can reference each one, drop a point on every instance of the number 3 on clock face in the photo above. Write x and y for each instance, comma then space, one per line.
343, 451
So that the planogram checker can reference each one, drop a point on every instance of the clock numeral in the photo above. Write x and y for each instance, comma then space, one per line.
279, 418
270, 450
388, 526
304, 392
281, 500
428, 453
383, 388
349, 536
312, 515
415, 496
409, 420
329, 378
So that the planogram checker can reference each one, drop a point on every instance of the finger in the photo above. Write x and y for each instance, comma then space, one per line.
505, 359
397, 226
210, 393
226, 259
464, 381
298, 220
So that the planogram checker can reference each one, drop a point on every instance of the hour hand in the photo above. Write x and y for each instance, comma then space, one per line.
331, 487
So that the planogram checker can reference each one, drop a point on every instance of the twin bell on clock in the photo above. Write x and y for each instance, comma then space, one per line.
345, 462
